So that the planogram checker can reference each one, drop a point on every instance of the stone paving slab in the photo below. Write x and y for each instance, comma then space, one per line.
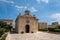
34, 36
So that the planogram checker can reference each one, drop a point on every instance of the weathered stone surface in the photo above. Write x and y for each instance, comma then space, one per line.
34, 36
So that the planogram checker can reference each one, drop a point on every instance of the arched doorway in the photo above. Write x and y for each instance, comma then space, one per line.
27, 28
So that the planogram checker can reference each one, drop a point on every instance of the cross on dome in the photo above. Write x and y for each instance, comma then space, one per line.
27, 12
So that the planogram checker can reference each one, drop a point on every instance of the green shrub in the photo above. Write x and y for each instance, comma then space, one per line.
51, 29
22, 32
4, 37
6, 26
45, 29
1, 32
56, 30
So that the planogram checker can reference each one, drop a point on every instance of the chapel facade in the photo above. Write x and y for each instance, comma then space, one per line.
26, 23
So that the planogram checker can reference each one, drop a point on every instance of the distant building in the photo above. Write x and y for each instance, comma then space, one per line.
42, 25
54, 24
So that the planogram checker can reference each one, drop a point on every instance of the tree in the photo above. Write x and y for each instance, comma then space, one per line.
59, 26
1, 32
2, 24
6, 26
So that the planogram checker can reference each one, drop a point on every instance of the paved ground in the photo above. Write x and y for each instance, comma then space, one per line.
34, 36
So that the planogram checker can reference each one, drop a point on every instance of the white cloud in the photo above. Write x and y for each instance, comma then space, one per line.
25, 7
56, 17
7, 1
46, 1
33, 9
19, 7
38, 1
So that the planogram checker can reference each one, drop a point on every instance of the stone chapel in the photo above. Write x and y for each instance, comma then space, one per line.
26, 23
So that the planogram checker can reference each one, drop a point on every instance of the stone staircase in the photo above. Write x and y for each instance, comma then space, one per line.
33, 36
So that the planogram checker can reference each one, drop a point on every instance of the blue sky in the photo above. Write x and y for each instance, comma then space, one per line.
45, 10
